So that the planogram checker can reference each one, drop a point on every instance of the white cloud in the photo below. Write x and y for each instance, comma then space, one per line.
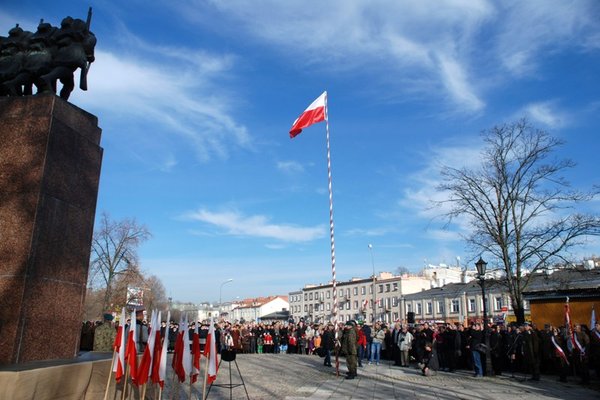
234, 223
126, 87
290, 167
546, 113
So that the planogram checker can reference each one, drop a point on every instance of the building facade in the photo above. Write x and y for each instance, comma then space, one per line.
372, 299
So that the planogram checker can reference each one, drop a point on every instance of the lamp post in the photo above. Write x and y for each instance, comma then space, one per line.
373, 288
220, 294
481, 267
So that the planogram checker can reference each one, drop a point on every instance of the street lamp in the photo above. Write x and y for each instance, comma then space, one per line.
220, 294
373, 289
481, 267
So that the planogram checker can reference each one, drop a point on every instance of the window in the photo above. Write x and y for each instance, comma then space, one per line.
498, 303
394, 302
310, 296
380, 288
363, 290
328, 294
429, 308
396, 317
471, 306
305, 296
310, 308
395, 287
455, 306
408, 307
328, 306
347, 305
418, 309
305, 308
387, 287
348, 292
370, 289
356, 304
525, 304
355, 291
440, 306
341, 293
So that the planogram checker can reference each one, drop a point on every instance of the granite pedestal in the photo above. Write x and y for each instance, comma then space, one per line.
50, 159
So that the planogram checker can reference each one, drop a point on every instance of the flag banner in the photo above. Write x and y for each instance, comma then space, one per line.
145, 367
195, 355
179, 350
186, 358
162, 365
211, 348
593, 318
131, 351
119, 359
316, 112
157, 351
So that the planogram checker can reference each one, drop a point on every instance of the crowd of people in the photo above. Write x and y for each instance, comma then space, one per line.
515, 349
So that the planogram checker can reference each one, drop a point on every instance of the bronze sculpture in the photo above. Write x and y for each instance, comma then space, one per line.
49, 55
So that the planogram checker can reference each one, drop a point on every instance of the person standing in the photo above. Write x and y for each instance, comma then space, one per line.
531, 351
378, 336
405, 339
328, 344
348, 347
104, 335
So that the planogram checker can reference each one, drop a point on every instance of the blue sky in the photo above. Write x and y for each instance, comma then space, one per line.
195, 100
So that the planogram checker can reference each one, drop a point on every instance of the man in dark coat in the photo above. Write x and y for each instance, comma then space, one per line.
531, 352
328, 344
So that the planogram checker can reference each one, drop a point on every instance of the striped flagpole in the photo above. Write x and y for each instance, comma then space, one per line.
331, 235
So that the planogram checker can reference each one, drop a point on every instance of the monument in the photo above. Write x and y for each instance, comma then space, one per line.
50, 160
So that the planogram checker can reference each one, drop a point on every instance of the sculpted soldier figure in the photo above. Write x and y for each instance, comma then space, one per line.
12, 55
37, 61
74, 49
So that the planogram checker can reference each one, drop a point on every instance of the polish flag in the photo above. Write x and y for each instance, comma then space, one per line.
145, 367
186, 359
179, 351
211, 349
162, 365
118, 366
131, 351
156, 354
316, 112
195, 355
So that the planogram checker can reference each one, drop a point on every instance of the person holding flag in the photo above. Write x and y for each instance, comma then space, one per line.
595, 347
581, 353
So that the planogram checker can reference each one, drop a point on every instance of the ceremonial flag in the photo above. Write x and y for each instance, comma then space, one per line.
195, 355
211, 350
593, 319
316, 112
568, 326
156, 354
162, 364
186, 359
145, 367
131, 351
178, 352
119, 346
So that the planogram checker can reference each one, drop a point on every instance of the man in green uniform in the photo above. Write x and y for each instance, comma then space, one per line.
104, 336
349, 340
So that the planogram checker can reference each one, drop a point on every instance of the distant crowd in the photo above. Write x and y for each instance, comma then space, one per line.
513, 349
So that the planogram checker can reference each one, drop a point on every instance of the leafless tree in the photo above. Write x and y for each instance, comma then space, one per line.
114, 253
521, 210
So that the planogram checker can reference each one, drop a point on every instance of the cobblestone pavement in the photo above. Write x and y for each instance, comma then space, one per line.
293, 377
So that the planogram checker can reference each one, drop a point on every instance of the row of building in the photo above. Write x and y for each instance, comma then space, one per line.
438, 294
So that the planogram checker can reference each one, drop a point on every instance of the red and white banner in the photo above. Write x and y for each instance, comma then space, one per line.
195, 355
316, 112
211, 351
131, 351
560, 351
119, 346
162, 365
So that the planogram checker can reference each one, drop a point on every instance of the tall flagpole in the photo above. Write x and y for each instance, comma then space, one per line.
331, 230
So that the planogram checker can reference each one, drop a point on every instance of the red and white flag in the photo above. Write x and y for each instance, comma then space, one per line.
145, 367
118, 365
162, 364
211, 350
316, 112
568, 325
156, 354
131, 351
186, 359
179, 351
195, 355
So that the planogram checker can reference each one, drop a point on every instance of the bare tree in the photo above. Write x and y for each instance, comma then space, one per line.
520, 207
114, 253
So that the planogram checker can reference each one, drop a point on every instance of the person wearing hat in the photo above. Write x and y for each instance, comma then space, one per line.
104, 335
349, 340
